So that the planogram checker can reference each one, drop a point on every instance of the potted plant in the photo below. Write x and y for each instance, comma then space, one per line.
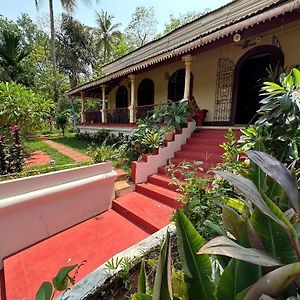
152, 141
176, 114
169, 132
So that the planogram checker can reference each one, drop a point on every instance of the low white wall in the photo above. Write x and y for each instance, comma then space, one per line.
141, 170
37, 207
116, 130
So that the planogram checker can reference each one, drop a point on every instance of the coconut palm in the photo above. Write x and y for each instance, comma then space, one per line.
108, 32
68, 5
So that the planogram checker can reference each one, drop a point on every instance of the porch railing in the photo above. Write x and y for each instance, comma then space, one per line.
144, 111
92, 117
118, 115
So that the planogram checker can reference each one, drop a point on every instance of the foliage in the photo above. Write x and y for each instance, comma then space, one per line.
74, 49
261, 239
22, 107
199, 202
152, 140
60, 282
11, 152
122, 267
182, 19
62, 121
108, 32
142, 27
173, 114
279, 119
12, 53
105, 152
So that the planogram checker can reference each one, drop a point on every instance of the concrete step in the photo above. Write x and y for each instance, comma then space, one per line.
122, 188
204, 157
158, 193
148, 214
206, 141
162, 181
203, 148
180, 176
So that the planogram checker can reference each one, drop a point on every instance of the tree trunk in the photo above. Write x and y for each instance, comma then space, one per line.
53, 50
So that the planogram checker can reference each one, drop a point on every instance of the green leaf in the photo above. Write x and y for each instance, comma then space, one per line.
141, 297
275, 169
273, 237
224, 246
275, 282
162, 289
61, 280
296, 74
196, 268
44, 292
236, 277
142, 279
233, 222
249, 190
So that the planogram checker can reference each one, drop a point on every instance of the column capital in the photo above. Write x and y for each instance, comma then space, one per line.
132, 77
187, 59
103, 86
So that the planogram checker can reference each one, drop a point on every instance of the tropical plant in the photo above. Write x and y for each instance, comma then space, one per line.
152, 140
62, 121
259, 249
107, 153
22, 107
108, 32
68, 5
279, 119
12, 53
175, 114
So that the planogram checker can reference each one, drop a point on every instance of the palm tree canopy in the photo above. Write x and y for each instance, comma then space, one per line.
108, 31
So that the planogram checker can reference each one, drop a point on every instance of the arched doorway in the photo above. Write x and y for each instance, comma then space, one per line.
250, 72
176, 85
145, 98
145, 92
120, 114
122, 97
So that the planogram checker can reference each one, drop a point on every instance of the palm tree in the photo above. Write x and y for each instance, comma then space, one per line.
68, 5
12, 52
108, 32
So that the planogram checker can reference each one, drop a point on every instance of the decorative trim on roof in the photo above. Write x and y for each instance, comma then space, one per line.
287, 6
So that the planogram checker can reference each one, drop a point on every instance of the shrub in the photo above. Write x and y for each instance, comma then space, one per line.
11, 152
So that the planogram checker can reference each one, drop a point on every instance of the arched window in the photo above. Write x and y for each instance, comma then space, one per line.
122, 97
145, 94
176, 85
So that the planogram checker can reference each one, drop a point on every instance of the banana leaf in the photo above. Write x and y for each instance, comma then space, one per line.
196, 268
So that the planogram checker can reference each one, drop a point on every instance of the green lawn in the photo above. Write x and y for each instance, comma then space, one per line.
72, 142
39, 145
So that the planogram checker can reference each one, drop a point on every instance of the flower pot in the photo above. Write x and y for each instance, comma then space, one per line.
155, 151
200, 117
169, 136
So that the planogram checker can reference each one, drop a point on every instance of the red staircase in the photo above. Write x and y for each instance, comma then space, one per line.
133, 217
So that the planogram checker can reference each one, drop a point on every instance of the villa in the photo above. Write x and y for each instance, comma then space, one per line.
218, 59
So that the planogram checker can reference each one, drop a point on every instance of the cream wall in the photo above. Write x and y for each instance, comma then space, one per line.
204, 67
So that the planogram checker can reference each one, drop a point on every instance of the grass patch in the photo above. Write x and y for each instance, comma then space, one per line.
39, 145
72, 142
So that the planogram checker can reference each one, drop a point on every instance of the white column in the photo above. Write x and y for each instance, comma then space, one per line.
82, 119
103, 111
132, 112
188, 63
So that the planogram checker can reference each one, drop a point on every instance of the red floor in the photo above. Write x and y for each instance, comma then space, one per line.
95, 240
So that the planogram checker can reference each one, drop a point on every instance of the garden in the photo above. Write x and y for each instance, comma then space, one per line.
238, 231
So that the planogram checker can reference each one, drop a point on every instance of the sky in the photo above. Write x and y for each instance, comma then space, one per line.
120, 9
